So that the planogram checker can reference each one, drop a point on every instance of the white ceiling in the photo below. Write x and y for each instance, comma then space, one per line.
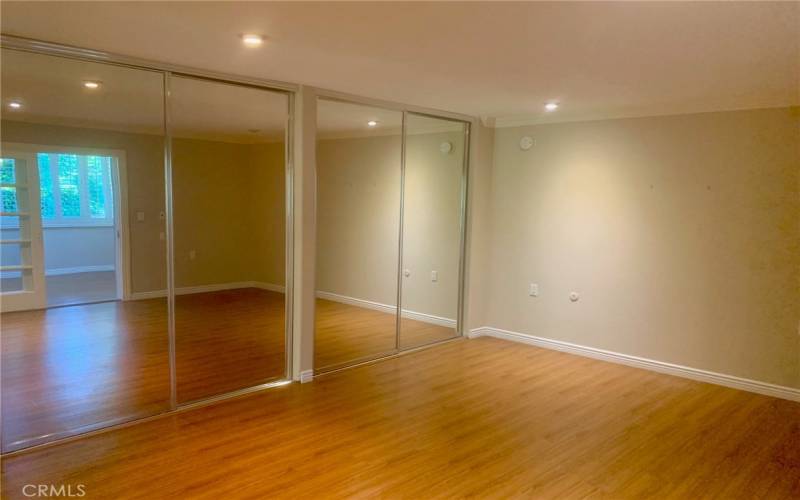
51, 91
485, 59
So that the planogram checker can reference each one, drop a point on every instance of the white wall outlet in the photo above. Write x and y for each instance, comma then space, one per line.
574, 296
192, 254
533, 291
434, 276
140, 216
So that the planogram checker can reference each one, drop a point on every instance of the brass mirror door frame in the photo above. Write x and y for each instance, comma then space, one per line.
24, 45
461, 266
179, 86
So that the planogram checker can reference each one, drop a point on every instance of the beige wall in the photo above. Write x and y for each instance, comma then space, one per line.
479, 230
144, 160
432, 223
358, 196
358, 212
681, 233
228, 202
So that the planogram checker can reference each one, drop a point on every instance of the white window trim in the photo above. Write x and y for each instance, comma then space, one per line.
85, 219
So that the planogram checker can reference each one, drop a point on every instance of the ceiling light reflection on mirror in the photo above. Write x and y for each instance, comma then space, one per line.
251, 40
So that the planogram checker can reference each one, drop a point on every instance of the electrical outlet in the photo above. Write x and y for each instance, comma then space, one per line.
434, 276
533, 291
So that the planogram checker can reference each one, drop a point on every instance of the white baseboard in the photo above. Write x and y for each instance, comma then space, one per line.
306, 376
75, 270
216, 287
387, 308
153, 294
352, 301
744, 384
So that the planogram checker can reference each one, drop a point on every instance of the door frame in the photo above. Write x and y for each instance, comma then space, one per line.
119, 189
36, 298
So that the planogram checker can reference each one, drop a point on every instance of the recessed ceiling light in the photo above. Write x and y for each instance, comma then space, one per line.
372, 123
14, 104
90, 84
551, 106
252, 40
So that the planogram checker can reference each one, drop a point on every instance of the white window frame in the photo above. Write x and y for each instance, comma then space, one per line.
85, 219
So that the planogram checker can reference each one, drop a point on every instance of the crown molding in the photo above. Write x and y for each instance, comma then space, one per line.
532, 119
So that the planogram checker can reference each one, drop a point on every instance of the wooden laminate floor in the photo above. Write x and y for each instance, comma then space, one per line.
479, 418
345, 333
69, 369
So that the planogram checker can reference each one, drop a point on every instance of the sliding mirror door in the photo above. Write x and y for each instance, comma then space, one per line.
358, 210
229, 227
83, 280
433, 197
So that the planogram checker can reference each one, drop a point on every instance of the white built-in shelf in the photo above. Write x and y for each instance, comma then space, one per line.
11, 242
14, 214
15, 268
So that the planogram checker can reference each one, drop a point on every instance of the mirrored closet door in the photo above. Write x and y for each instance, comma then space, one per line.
433, 193
359, 152
84, 274
390, 212
229, 227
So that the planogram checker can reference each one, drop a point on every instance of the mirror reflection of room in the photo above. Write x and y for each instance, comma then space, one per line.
228, 185
358, 214
432, 201
83, 279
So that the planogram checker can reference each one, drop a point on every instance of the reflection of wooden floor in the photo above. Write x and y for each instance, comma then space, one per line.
70, 367
228, 340
478, 418
345, 333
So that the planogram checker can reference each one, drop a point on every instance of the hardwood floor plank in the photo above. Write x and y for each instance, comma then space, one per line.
69, 368
474, 418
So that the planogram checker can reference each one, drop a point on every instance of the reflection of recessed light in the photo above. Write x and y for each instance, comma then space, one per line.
15, 105
551, 106
252, 40
372, 123
91, 85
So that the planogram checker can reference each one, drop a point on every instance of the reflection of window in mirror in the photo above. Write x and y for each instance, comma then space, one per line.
76, 189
